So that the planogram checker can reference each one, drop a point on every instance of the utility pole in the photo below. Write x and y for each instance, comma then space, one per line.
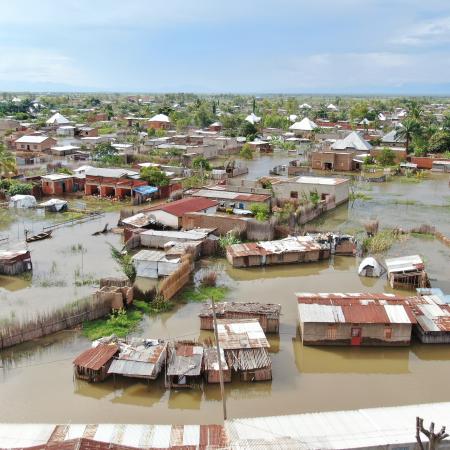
216, 334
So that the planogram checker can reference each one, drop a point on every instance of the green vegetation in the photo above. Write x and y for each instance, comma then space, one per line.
261, 211
119, 323
7, 162
154, 176
386, 157
228, 239
107, 155
125, 261
381, 242
14, 187
156, 306
246, 152
106, 130
359, 196
204, 293
201, 163
314, 198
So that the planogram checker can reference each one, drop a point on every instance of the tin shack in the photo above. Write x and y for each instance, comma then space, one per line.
184, 364
92, 365
245, 347
15, 262
268, 314
407, 272
140, 359
211, 366
354, 319
432, 313
293, 249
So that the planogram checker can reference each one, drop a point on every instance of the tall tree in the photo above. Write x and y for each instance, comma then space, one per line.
410, 127
7, 162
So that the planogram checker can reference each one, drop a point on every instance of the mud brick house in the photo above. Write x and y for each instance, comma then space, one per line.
57, 184
118, 183
34, 143
159, 122
354, 319
337, 161
86, 132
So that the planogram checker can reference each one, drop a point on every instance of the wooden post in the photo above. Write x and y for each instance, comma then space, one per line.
216, 334
434, 439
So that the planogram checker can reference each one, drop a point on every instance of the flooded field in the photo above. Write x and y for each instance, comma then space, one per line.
36, 380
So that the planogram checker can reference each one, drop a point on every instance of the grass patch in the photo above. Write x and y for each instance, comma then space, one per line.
205, 293
119, 323
429, 236
381, 242
154, 307
406, 202
359, 196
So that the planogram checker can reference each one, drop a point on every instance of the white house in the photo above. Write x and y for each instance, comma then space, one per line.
57, 119
354, 141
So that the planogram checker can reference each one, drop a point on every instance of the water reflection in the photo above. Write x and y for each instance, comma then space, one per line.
363, 360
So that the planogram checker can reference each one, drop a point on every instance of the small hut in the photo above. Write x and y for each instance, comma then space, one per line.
184, 364
245, 347
407, 272
92, 365
268, 314
15, 262
211, 366
370, 267
140, 359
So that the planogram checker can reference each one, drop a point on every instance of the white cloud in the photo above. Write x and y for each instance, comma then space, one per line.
33, 65
361, 70
433, 32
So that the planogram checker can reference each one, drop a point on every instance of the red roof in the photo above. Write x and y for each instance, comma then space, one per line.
365, 314
186, 205
96, 358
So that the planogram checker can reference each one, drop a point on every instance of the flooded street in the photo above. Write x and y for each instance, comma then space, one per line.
36, 379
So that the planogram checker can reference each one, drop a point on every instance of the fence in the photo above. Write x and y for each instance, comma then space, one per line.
44, 324
178, 279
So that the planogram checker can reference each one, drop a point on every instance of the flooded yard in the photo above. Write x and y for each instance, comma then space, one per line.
36, 379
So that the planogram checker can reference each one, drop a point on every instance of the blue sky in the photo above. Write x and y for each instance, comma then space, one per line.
247, 46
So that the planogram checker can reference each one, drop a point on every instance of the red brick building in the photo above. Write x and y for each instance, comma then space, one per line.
57, 184
34, 143
117, 183
337, 161
159, 122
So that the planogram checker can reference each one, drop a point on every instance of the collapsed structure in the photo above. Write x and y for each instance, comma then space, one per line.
407, 272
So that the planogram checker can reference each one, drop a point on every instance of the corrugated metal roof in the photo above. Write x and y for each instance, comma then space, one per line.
185, 205
185, 359
241, 333
96, 357
320, 313
363, 428
404, 264
264, 309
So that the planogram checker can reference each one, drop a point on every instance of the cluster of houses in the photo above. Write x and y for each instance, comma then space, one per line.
243, 345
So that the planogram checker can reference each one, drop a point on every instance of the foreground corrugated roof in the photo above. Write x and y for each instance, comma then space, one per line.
94, 358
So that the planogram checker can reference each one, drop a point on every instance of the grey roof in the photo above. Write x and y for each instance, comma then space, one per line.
185, 363
353, 140
393, 137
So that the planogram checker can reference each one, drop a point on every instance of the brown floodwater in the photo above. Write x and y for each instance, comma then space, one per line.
36, 379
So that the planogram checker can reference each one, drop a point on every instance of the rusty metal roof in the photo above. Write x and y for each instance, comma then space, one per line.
347, 297
431, 314
241, 333
185, 359
95, 358
246, 308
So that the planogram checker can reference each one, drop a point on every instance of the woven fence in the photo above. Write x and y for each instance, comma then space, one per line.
70, 316
178, 279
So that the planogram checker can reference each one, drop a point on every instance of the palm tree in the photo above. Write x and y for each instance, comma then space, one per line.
409, 129
7, 162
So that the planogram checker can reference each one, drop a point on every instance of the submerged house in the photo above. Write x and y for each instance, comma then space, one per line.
245, 346
268, 314
154, 264
354, 319
144, 359
292, 249
92, 365
211, 366
15, 262
184, 364
407, 272
432, 312
370, 267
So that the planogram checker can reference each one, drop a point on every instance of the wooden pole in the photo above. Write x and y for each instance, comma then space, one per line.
216, 334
